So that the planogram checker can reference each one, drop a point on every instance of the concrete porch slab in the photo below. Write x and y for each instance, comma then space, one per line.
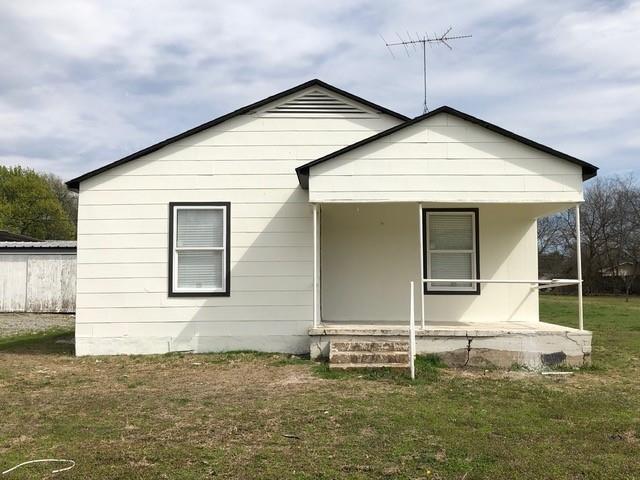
500, 344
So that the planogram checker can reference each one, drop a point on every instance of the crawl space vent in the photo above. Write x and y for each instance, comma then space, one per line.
316, 103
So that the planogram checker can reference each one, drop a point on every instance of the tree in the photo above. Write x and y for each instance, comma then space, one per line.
68, 199
29, 206
610, 231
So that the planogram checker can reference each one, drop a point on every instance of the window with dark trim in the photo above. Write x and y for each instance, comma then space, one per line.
199, 249
451, 250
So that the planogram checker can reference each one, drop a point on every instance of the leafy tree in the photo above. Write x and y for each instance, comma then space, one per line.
29, 206
68, 199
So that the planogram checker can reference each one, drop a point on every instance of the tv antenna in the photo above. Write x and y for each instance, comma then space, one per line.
423, 40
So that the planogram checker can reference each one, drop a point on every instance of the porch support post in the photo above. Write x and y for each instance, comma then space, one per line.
579, 267
421, 260
316, 230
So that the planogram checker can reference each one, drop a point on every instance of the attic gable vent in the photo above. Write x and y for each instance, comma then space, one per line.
314, 103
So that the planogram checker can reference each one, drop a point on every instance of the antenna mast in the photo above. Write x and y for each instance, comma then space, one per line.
423, 41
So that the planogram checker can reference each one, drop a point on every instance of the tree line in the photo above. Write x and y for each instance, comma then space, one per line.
36, 204
610, 231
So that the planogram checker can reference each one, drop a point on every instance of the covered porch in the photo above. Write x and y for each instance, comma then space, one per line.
447, 203
376, 276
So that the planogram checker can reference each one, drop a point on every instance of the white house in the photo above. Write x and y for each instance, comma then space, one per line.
297, 223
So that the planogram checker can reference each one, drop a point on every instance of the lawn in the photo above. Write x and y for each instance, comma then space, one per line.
249, 415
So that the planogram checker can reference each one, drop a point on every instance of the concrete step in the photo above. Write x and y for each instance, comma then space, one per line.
369, 357
345, 366
368, 354
370, 346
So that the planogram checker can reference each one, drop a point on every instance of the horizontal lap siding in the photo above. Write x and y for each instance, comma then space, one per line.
160, 240
123, 269
287, 283
159, 211
209, 313
175, 329
97, 256
123, 238
160, 225
149, 299
446, 159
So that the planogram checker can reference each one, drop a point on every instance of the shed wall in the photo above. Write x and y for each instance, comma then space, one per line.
37, 282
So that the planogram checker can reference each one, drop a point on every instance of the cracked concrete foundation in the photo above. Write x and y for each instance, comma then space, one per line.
531, 347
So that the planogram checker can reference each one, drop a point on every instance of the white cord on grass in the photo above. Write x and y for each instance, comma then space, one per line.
73, 464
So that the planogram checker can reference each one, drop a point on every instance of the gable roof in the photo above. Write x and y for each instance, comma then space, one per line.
74, 184
588, 170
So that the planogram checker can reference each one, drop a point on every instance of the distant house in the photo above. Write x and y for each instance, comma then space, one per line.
297, 223
624, 269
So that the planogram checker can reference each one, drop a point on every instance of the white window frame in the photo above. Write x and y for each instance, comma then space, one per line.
438, 287
174, 280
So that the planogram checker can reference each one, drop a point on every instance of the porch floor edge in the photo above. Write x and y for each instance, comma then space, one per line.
448, 330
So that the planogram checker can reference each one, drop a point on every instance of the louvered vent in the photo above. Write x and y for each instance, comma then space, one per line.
316, 102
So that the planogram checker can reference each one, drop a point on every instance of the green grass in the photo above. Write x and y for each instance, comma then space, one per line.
46, 341
247, 415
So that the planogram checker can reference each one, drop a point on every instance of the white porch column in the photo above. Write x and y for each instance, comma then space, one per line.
316, 267
579, 267
421, 249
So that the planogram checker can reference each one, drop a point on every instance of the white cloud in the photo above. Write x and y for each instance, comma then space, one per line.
91, 81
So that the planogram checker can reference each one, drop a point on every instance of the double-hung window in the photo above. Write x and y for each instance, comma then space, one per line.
451, 250
199, 249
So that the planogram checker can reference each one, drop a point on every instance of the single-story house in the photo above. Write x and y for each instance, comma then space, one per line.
297, 224
623, 269
37, 276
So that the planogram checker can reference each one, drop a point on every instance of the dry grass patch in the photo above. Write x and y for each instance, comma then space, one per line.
247, 415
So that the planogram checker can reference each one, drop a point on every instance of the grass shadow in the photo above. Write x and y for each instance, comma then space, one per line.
55, 341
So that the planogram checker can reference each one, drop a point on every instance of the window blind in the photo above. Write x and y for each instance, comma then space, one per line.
451, 265
451, 232
451, 249
200, 228
200, 269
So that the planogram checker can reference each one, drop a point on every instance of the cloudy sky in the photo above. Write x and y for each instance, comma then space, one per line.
83, 83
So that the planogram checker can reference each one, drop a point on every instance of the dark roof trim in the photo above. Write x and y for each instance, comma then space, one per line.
588, 170
74, 184
44, 251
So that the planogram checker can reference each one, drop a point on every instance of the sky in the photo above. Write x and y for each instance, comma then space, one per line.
84, 83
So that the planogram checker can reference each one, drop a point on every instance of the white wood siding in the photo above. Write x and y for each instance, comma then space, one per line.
249, 161
446, 159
